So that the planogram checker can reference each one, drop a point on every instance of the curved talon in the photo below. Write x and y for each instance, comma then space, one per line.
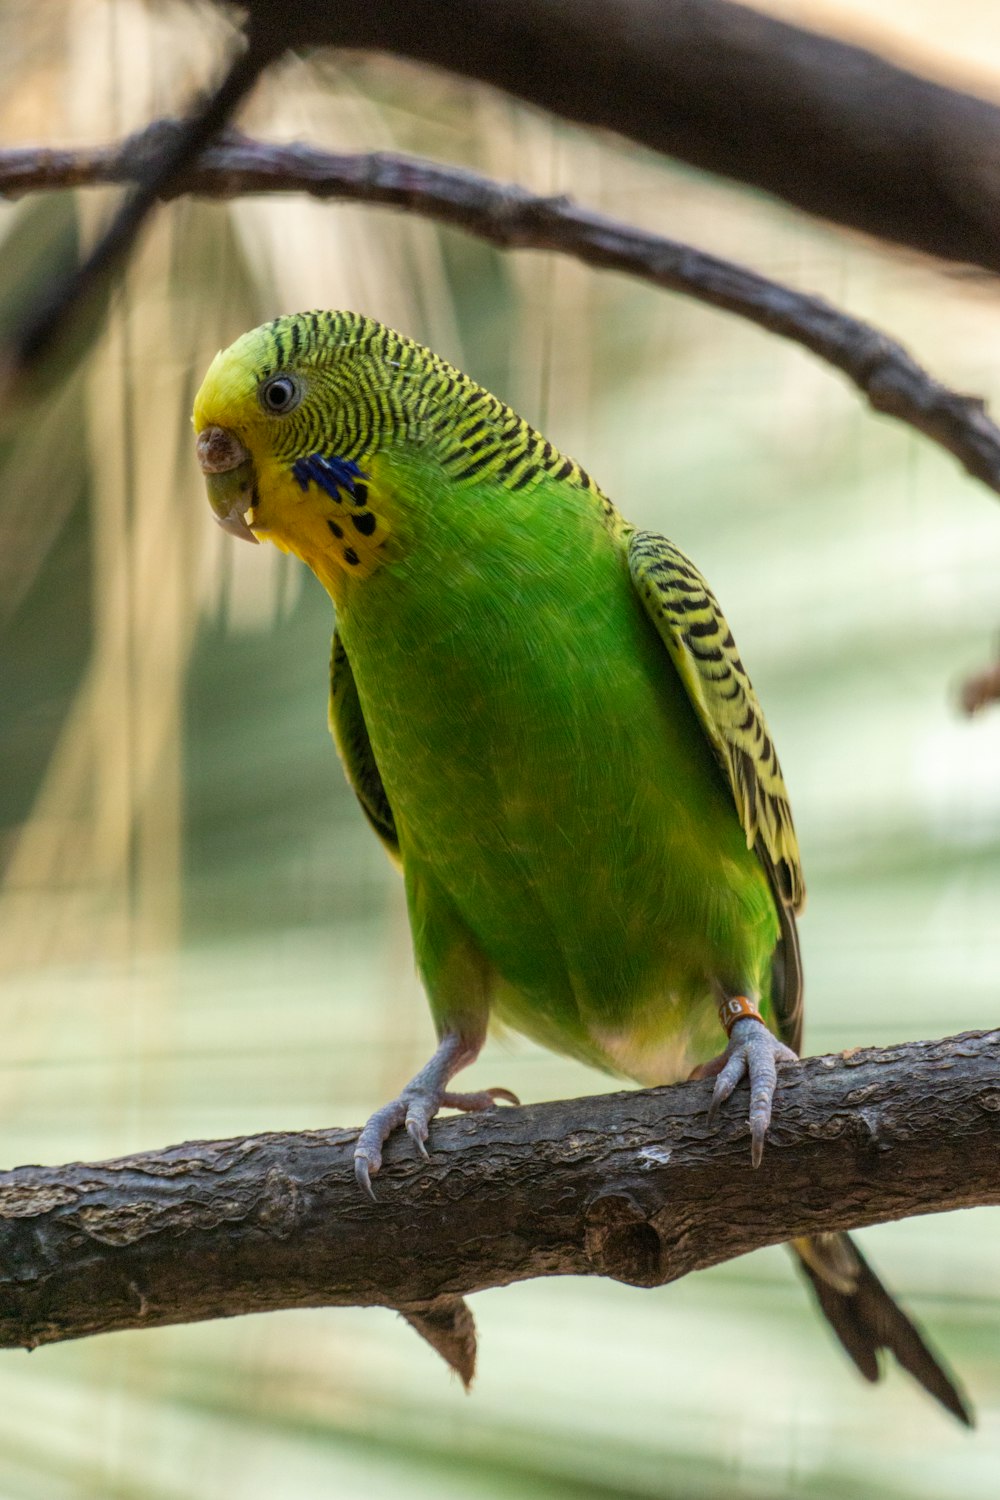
757, 1134
362, 1172
417, 1131
730, 1074
482, 1099
508, 1096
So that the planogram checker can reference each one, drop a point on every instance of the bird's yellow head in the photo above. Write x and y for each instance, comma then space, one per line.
337, 439
291, 421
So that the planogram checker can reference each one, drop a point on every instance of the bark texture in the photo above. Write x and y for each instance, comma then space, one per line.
634, 1186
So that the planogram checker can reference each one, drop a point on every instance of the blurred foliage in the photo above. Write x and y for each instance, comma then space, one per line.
199, 936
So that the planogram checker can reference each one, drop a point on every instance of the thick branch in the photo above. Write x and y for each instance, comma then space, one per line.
830, 128
511, 217
634, 1186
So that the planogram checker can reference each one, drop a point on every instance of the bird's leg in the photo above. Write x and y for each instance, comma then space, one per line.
419, 1102
752, 1052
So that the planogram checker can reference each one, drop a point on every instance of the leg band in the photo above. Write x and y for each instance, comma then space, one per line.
735, 1008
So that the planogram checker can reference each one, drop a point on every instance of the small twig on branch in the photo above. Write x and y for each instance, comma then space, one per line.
511, 217
634, 1186
979, 691
62, 300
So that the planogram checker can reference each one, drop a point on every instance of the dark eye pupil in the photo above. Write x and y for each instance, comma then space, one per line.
278, 394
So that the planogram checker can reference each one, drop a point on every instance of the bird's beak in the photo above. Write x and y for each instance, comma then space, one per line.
229, 479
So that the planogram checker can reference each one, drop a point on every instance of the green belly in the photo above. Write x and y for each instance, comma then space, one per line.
552, 787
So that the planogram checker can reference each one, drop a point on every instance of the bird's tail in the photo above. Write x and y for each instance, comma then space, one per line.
867, 1320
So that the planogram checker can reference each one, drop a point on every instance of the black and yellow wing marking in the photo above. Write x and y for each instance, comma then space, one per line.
693, 628
350, 735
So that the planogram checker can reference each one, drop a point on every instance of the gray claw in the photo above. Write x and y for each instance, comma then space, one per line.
757, 1135
729, 1076
362, 1172
417, 1132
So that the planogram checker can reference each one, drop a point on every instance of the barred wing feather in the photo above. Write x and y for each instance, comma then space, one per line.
693, 628
350, 735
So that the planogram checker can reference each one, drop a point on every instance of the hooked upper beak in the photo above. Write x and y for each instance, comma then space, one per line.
229, 479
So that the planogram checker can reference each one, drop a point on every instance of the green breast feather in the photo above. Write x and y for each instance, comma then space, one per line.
522, 741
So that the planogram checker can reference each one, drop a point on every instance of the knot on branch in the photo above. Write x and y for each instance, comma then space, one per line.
140, 152
620, 1241
280, 1206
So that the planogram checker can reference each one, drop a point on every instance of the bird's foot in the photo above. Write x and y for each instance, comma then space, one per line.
753, 1052
415, 1108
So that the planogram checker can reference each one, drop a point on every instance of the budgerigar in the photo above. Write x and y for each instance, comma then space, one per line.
545, 718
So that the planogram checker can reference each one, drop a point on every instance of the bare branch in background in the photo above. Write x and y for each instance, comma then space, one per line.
634, 1186
830, 128
511, 217
66, 296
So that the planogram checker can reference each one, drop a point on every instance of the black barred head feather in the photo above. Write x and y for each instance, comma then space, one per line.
360, 388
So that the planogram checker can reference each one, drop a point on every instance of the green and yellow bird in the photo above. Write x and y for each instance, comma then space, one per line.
545, 718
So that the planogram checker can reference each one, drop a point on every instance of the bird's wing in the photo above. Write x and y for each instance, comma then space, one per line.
693, 628
350, 735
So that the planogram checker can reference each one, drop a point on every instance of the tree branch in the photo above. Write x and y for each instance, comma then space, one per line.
830, 128
65, 298
634, 1186
511, 217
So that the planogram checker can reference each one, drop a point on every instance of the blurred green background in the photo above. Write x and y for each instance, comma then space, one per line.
198, 934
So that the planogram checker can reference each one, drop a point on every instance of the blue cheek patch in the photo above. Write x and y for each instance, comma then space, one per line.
336, 476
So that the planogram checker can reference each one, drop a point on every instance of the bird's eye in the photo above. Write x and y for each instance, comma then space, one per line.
280, 394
